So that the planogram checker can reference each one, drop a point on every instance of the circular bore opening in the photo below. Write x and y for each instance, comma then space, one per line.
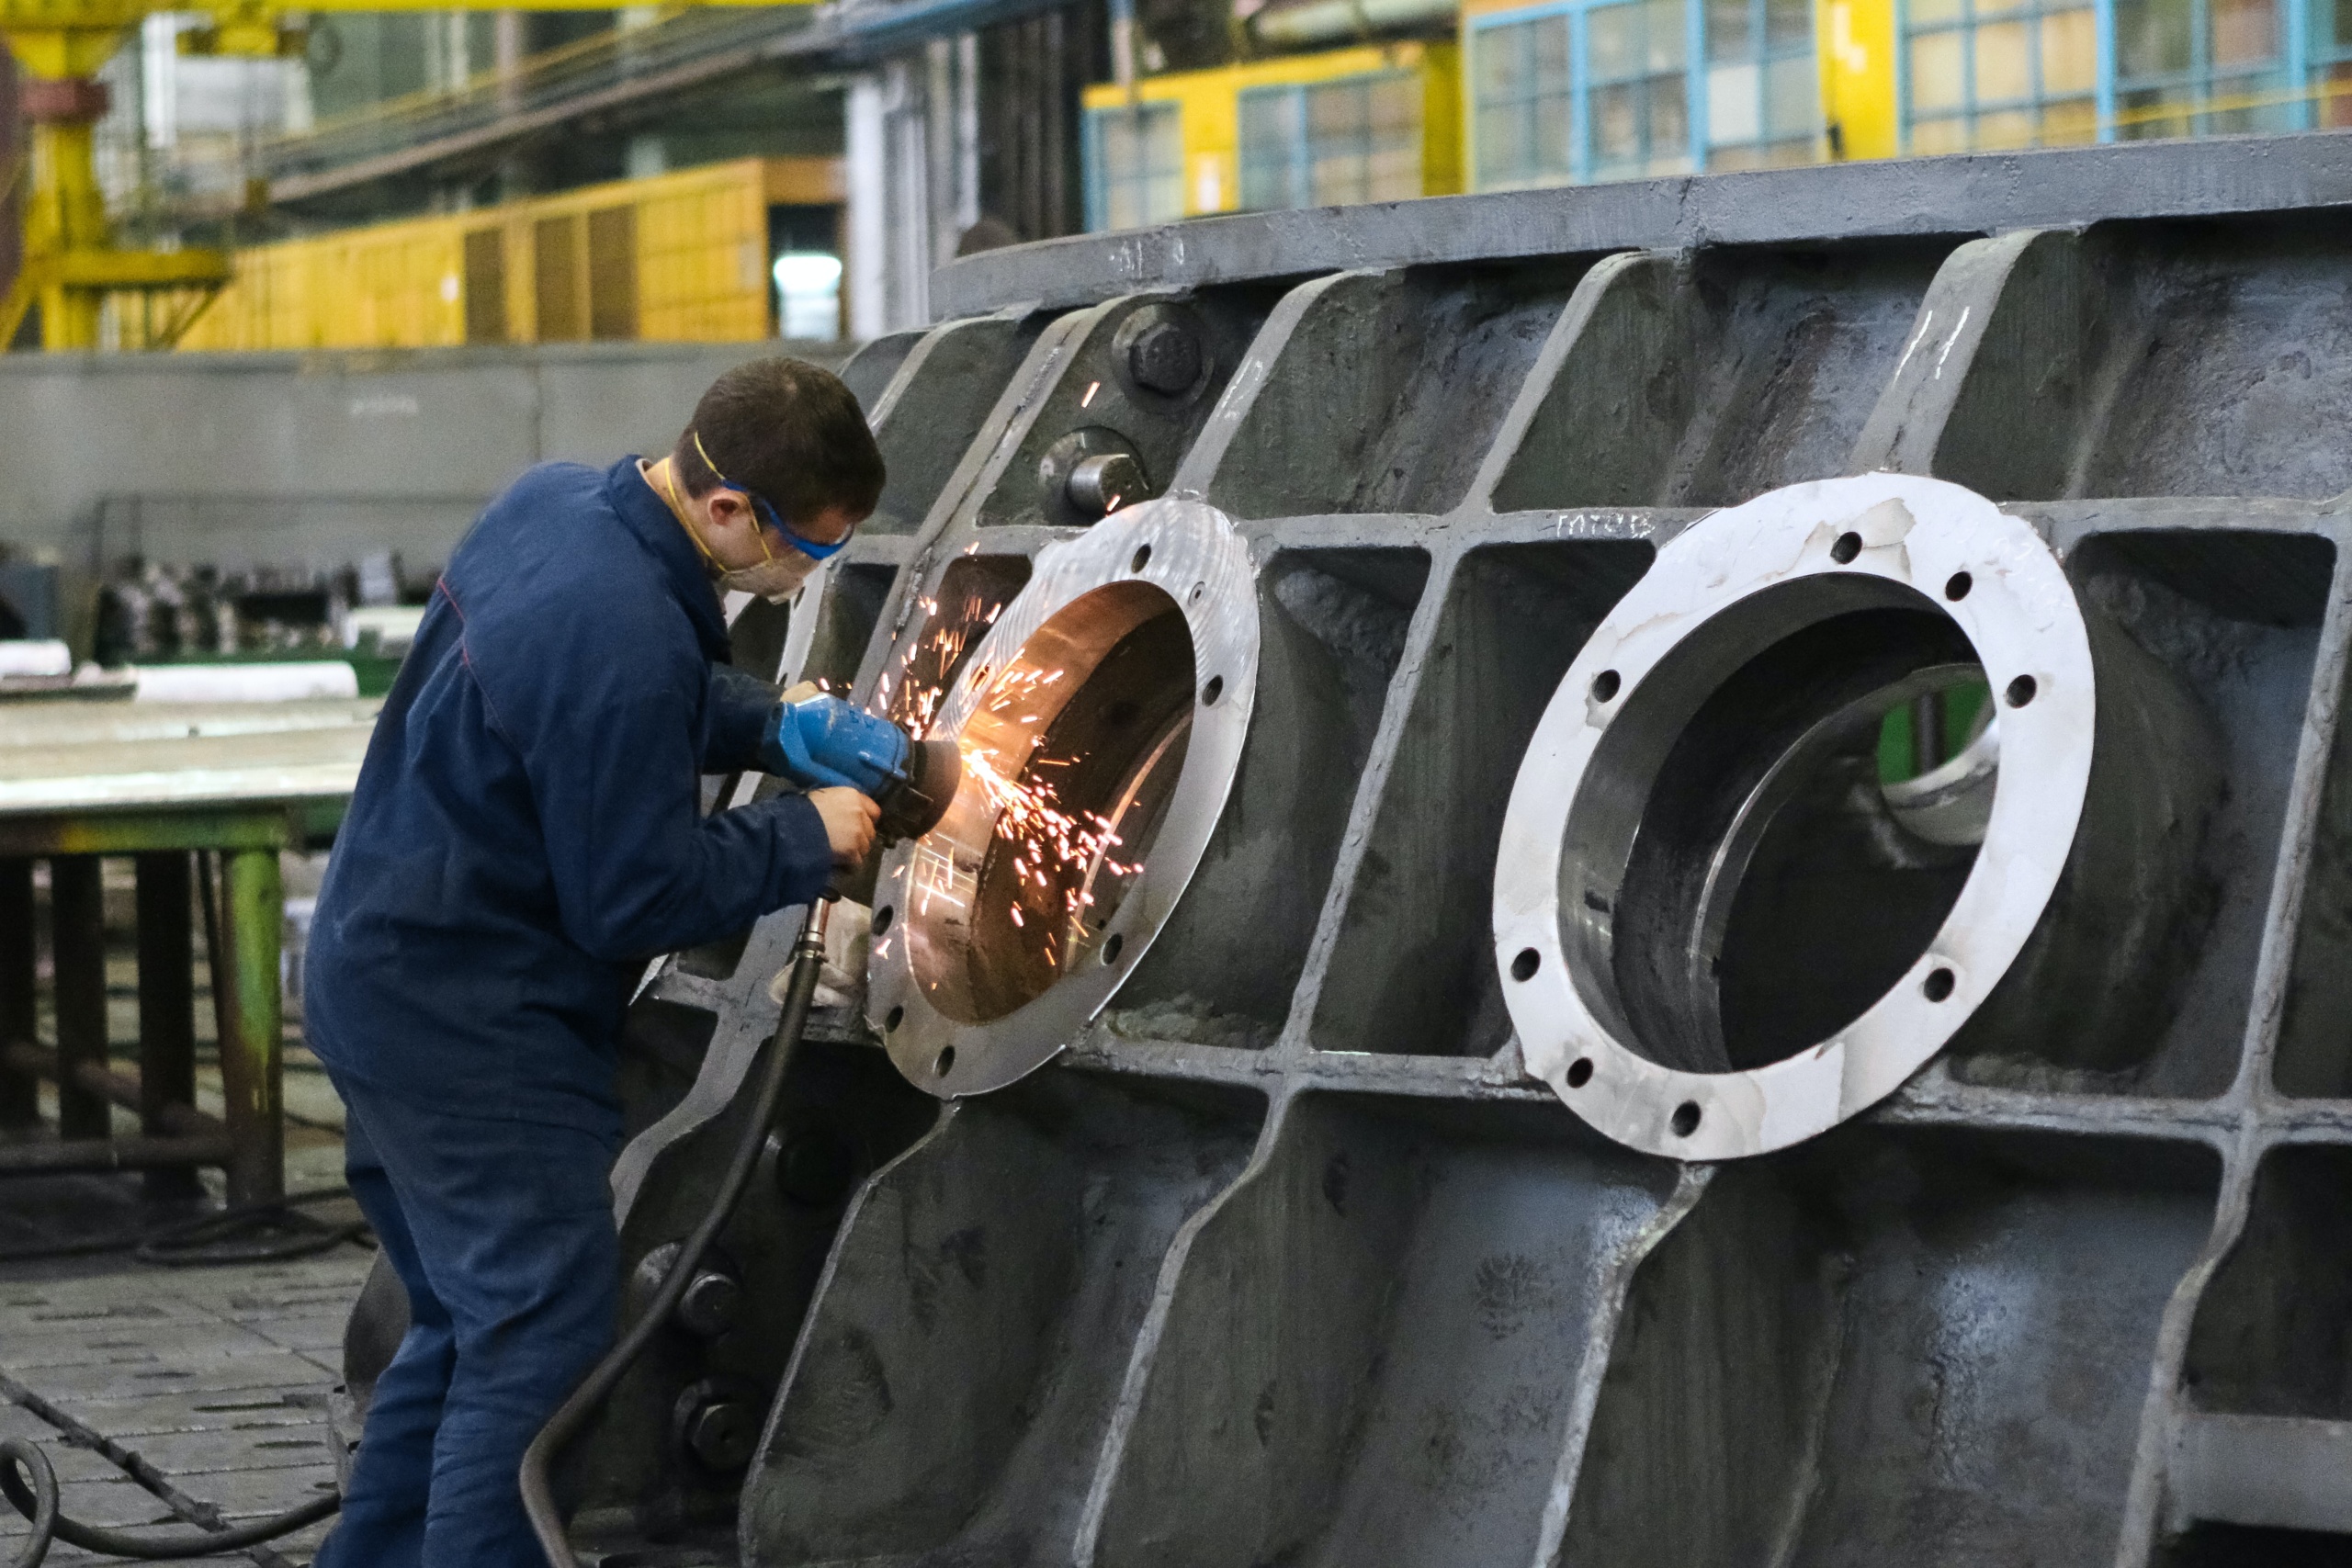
1113, 947
1848, 547
1957, 585
1605, 684
882, 918
1686, 1119
1764, 862
1194, 596
1937, 985
1524, 964
1581, 1072
2019, 692
944, 1062
1140, 559
1214, 689
1071, 758
890, 1025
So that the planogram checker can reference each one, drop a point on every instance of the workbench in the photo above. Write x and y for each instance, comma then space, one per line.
181, 790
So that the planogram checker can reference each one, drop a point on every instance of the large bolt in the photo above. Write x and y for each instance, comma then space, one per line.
712, 1302
722, 1433
1165, 357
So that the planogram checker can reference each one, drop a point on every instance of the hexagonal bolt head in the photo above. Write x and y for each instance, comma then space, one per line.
1165, 357
723, 1433
712, 1305
1101, 484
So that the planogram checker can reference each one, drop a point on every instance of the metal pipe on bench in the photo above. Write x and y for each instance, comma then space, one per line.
74, 1155
170, 1123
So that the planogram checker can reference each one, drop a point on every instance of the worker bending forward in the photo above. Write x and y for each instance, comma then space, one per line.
525, 834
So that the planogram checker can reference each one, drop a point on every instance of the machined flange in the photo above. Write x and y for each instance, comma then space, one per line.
1102, 720
1720, 722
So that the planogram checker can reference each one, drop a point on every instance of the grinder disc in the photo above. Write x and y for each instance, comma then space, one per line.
913, 807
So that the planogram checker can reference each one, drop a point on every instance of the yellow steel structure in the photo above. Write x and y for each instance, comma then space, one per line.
1854, 42
70, 261
680, 258
1209, 106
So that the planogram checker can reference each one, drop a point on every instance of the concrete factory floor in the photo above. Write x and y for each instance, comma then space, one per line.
207, 1386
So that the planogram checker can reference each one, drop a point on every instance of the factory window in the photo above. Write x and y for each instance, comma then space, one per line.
1522, 98
1993, 74
2200, 68
1322, 143
1592, 92
1637, 117
2331, 84
1134, 166
1763, 97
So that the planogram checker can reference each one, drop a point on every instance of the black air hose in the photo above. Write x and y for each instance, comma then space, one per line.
539, 1497
31, 1481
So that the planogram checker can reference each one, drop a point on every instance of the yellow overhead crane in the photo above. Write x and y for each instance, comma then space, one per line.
70, 263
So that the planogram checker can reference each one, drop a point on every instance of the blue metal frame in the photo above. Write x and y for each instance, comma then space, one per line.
1089, 153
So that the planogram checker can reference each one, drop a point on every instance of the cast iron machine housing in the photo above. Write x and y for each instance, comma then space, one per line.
2004, 1222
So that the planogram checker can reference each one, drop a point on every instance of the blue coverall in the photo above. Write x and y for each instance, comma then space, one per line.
526, 833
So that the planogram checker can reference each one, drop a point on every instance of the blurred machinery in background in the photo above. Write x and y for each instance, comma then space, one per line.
672, 258
70, 261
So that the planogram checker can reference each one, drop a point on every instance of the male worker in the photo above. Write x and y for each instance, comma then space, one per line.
525, 834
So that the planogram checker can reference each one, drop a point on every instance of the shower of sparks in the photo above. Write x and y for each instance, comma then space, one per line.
1052, 844
914, 698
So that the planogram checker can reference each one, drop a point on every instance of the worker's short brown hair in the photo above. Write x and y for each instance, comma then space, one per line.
788, 432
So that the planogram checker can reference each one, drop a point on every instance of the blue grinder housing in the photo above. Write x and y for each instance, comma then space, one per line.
824, 743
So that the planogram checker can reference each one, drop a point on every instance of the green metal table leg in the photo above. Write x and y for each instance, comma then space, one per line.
19, 1090
77, 945
252, 1065
166, 1009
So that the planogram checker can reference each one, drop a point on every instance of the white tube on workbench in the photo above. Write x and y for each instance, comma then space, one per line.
324, 679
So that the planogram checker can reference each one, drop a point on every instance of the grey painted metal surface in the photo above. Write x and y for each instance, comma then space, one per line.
1287, 1257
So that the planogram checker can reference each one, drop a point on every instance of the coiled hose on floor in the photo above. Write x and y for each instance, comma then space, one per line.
29, 1480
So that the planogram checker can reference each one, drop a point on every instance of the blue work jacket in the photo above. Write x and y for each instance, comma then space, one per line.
526, 829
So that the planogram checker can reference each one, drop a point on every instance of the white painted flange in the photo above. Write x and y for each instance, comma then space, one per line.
2020, 612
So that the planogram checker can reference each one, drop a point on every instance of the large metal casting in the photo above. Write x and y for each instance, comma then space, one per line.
1587, 560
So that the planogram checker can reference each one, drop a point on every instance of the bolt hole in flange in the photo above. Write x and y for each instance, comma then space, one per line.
1719, 893
1096, 766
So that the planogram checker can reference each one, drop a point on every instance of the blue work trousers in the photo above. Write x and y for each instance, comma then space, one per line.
503, 1233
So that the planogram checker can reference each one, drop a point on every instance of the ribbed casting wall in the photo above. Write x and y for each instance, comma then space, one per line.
1285, 1260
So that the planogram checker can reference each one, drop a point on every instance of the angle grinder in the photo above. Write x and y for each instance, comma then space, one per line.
822, 742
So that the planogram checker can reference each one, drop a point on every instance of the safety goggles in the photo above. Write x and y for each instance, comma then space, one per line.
812, 548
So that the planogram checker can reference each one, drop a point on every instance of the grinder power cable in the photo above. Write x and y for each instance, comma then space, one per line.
538, 1459
817, 743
